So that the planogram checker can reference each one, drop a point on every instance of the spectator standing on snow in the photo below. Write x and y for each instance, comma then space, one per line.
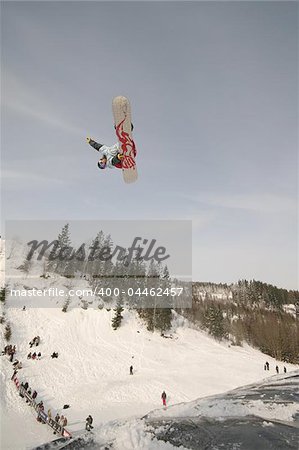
17, 365
88, 425
57, 418
11, 354
163, 396
277, 369
29, 393
41, 405
284, 369
131, 370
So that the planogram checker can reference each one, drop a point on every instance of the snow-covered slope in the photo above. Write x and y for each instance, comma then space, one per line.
91, 373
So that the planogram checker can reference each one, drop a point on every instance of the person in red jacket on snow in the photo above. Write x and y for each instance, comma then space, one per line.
163, 396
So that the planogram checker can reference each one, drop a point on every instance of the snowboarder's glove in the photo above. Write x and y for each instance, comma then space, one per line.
120, 156
88, 140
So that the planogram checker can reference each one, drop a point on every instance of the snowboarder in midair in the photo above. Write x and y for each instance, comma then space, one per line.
109, 156
163, 396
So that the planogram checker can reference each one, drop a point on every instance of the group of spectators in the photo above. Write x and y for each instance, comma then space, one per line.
35, 341
59, 422
31, 395
267, 367
10, 351
34, 355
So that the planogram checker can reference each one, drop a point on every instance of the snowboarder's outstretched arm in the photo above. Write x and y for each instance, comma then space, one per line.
94, 144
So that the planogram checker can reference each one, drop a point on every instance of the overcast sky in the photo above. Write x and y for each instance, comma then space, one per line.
213, 88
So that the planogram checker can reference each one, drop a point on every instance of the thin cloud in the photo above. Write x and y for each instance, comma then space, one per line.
14, 177
268, 203
24, 100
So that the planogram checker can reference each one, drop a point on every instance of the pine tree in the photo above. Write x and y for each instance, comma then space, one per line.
153, 275
7, 332
66, 305
215, 322
2, 294
60, 253
107, 265
163, 314
116, 321
26, 266
156, 313
94, 265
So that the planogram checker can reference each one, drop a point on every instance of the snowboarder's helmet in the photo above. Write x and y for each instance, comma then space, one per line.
102, 164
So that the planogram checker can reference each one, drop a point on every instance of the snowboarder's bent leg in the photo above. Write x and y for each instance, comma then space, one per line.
117, 159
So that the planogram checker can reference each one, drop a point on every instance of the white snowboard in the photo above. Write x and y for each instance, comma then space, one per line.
123, 126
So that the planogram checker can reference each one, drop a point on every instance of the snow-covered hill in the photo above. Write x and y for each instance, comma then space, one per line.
92, 370
91, 373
